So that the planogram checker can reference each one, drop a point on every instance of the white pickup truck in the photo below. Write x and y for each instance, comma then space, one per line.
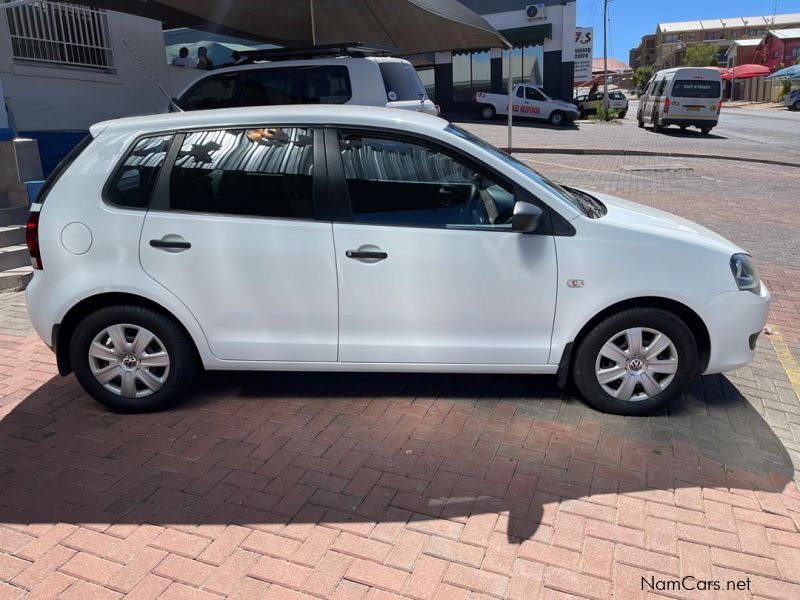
529, 101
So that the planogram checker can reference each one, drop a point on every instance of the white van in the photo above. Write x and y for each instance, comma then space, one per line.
686, 97
319, 75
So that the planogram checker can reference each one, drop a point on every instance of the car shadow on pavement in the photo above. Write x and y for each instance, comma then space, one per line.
690, 133
518, 122
356, 450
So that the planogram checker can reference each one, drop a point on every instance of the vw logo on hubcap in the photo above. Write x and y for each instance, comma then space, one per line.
129, 361
636, 364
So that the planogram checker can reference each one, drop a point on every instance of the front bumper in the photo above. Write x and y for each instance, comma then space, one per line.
732, 319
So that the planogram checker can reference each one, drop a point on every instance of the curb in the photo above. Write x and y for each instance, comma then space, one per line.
604, 152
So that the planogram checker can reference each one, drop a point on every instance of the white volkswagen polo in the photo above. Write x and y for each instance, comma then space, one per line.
366, 239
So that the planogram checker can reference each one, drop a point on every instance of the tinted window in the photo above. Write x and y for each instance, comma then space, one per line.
617, 96
401, 81
395, 182
134, 181
685, 88
534, 94
298, 85
261, 172
217, 91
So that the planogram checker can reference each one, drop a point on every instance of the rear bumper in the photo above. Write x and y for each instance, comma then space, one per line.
690, 121
733, 319
46, 302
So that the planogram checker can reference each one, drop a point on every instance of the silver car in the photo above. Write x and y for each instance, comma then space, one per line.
792, 99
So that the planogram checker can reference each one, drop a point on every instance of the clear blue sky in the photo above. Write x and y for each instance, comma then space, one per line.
631, 19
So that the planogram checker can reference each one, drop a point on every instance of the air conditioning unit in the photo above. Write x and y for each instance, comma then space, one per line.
535, 12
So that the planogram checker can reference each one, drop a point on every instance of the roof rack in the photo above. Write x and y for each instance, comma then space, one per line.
355, 49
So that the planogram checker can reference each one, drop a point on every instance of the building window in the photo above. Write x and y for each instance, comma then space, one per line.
753, 32
527, 64
672, 38
714, 35
472, 73
796, 53
58, 33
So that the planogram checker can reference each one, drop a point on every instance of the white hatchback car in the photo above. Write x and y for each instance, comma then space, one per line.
366, 239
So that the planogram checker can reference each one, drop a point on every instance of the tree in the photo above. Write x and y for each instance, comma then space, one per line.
702, 55
641, 76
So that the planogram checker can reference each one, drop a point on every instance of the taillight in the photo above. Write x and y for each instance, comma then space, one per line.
666, 105
32, 239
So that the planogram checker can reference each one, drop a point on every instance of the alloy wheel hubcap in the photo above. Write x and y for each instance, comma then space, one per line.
636, 364
129, 360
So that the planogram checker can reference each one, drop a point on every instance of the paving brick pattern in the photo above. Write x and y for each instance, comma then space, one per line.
418, 486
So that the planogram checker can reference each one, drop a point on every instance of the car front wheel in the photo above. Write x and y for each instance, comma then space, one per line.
557, 118
133, 359
635, 362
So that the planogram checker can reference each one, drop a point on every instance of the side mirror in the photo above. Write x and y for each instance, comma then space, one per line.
526, 217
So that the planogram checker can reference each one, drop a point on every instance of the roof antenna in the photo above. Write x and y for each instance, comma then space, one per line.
172, 102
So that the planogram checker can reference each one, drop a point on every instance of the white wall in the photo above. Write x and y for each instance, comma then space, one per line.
44, 97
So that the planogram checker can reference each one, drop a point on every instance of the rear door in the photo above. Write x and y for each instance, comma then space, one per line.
695, 96
235, 231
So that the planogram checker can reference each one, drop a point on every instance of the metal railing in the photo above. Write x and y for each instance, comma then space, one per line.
60, 33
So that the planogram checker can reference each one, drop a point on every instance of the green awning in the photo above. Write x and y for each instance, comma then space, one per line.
528, 36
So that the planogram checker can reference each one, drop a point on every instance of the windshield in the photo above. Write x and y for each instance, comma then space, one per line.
582, 201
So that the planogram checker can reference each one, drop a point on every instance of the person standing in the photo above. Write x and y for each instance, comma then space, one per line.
203, 61
183, 60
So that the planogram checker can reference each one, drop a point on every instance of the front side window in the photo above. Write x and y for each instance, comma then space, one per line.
133, 183
264, 172
685, 88
217, 91
534, 94
396, 182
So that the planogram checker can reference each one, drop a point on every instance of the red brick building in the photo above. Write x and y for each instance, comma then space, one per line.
780, 48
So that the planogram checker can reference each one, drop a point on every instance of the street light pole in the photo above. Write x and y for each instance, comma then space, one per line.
605, 58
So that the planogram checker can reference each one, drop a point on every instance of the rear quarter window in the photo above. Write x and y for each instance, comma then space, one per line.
401, 82
133, 182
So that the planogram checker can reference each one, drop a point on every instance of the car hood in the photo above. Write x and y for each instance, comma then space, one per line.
637, 217
564, 105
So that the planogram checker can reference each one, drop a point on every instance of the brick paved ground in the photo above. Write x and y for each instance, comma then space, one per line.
378, 486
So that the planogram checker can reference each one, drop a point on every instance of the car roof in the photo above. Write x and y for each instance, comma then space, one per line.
323, 114
300, 62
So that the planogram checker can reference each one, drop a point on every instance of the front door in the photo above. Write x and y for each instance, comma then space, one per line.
231, 232
429, 268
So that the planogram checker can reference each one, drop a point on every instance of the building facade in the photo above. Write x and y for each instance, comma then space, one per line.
543, 52
666, 48
65, 67
780, 48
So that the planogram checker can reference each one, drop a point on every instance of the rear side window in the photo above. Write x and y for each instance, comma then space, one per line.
217, 91
62, 167
323, 84
401, 82
133, 182
264, 172
687, 88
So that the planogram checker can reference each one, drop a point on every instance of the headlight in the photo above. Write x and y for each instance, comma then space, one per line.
745, 273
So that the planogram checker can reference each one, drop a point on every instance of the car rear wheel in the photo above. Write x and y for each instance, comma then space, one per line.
635, 362
488, 112
705, 130
133, 359
557, 118
796, 105
640, 121
656, 124
623, 114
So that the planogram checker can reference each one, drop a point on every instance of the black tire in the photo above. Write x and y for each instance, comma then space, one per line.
583, 114
796, 105
705, 130
588, 349
623, 114
639, 121
183, 360
558, 118
488, 112
656, 124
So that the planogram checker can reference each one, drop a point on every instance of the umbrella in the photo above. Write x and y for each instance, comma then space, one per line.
412, 26
792, 72
747, 71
